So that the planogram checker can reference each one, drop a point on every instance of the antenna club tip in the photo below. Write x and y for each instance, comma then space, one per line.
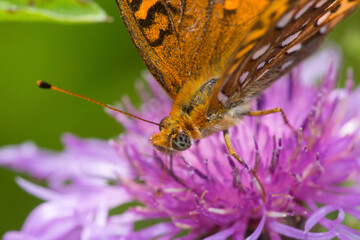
42, 84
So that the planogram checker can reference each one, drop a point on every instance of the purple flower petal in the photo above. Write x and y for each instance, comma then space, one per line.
224, 234
36, 190
295, 233
256, 234
208, 193
320, 214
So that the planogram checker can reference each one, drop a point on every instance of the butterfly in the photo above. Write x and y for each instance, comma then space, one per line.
213, 57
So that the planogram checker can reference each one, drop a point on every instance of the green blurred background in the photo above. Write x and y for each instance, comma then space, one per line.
96, 60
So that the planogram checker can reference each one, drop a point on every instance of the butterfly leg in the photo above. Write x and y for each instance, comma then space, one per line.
253, 172
274, 110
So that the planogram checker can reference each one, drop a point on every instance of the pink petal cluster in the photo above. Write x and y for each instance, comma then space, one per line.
307, 176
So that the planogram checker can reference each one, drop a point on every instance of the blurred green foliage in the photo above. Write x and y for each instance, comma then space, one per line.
57, 10
98, 61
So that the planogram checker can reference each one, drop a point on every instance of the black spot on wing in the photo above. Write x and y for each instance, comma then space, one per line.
272, 15
154, 11
290, 2
135, 5
258, 25
161, 37
157, 8
229, 13
334, 10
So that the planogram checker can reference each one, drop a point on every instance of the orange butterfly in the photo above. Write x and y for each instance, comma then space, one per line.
213, 57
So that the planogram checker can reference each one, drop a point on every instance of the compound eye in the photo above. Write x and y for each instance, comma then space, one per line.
181, 142
163, 122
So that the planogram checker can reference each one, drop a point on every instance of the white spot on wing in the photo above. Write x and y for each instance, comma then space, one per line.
323, 29
260, 52
323, 18
320, 3
294, 48
303, 10
285, 19
290, 38
243, 76
287, 64
260, 65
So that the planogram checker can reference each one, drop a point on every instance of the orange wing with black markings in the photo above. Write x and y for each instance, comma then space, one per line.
180, 40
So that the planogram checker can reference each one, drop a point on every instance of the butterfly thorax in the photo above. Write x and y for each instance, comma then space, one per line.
189, 119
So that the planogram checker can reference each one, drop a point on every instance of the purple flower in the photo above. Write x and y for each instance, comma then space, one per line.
307, 176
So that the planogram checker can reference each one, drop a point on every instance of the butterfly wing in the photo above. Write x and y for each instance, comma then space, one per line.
180, 40
293, 37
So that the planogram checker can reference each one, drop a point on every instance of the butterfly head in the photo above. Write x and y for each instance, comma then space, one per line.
172, 136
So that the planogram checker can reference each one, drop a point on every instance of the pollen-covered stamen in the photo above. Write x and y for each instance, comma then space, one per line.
230, 161
281, 201
298, 179
195, 170
312, 129
203, 207
257, 156
313, 170
318, 168
299, 144
275, 156
200, 174
190, 168
202, 200
300, 136
200, 204
206, 165
273, 214
253, 175
237, 180
280, 146
221, 211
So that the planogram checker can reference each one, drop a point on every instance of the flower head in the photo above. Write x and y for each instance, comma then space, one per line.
203, 192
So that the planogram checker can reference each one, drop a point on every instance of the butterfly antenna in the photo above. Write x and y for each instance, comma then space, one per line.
45, 85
